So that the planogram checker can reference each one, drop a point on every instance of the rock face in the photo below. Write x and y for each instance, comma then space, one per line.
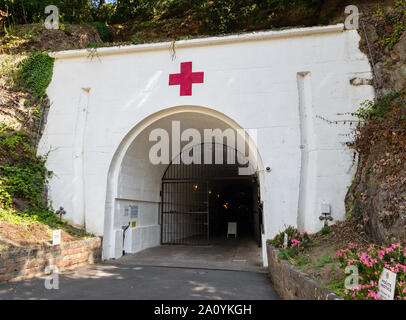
391, 70
377, 202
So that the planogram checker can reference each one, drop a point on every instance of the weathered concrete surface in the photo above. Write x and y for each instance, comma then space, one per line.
117, 281
226, 254
292, 284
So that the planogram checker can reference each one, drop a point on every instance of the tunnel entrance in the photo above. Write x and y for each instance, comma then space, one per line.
199, 201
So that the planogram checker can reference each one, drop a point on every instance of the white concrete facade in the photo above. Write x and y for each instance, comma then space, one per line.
281, 83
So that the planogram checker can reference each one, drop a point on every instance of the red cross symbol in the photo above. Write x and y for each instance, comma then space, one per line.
186, 78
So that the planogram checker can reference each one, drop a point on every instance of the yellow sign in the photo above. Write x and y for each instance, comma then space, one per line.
134, 224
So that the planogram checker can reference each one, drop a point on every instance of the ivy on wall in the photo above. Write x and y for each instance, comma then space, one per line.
36, 73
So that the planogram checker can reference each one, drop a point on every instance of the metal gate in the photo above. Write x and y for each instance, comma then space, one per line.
185, 212
185, 215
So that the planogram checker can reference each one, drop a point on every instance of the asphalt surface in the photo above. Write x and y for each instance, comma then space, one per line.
223, 270
115, 281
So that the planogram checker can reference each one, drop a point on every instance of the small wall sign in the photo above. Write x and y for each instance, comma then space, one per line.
56, 237
134, 224
386, 285
134, 212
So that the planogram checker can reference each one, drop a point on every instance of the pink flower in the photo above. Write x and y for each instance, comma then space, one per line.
373, 294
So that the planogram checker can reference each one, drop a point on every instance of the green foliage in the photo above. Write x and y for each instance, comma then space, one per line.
394, 24
66, 28
302, 260
393, 38
379, 109
23, 176
230, 15
104, 32
296, 242
370, 265
5, 197
14, 146
25, 181
214, 16
36, 73
286, 254
325, 230
29, 11
400, 3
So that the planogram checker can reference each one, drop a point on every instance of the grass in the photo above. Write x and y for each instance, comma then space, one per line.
302, 261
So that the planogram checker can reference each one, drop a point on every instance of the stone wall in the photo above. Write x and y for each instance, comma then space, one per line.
292, 284
29, 263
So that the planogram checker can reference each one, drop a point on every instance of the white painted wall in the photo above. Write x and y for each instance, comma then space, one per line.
279, 83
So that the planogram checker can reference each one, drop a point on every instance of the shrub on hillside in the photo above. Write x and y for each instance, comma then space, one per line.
296, 241
370, 265
104, 32
36, 73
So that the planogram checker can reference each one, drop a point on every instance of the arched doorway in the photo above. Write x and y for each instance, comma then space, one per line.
199, 202
136, 183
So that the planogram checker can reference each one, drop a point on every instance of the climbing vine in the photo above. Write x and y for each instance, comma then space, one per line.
36, 73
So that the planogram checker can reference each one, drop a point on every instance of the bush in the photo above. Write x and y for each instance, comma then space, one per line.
36, 73
325, 230
5, 198
29, 11
296, 242
370, 265
25, 181
104, 32
23, 175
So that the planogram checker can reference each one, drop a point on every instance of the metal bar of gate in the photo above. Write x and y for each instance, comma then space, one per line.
184, 213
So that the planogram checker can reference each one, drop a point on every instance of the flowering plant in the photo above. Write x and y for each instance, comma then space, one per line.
296, 241
370, 265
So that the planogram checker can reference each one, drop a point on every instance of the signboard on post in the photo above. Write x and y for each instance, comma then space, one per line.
56, 237
386, 285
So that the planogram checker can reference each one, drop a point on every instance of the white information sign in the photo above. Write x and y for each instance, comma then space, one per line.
134, 212
56, 237
386, 285
232, 229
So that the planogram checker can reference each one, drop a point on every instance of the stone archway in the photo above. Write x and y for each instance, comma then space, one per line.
134, 183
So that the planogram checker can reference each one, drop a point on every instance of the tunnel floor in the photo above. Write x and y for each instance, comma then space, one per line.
241, 254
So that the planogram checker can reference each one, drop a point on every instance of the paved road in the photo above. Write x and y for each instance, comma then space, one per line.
223, 270
122, 282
